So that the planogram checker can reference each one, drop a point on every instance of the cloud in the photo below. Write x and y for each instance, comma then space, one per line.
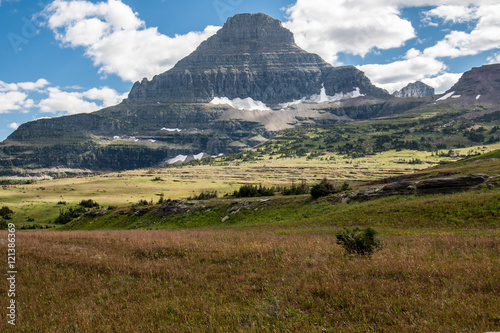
13, 126
484, 37
452, 13
27, 86
116, 40
38, 85
79, 102
396, 75
17, 97
13, 101
442, 82
327, 27
494, 59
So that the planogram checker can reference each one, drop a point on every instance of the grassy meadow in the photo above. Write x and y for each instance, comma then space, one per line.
255, 280
257, 264
41, 202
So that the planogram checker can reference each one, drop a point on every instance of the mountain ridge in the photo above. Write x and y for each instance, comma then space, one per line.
242, 61
198, 101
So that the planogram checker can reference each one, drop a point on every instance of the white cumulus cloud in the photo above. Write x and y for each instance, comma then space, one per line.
453, 13
27, 86
328, 27
13, 101
396, 75
442, 82
116, 39
78, 102
485, 35
13, 126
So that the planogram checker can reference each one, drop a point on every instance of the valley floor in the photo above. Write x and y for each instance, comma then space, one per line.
256, 280
254, 264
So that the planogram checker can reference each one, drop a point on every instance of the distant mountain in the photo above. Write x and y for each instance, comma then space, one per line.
415, 89
480, 84
236, 90
253, 56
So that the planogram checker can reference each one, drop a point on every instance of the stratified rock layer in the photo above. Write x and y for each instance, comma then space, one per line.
253, 55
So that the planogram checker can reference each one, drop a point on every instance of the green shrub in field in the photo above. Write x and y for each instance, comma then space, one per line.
296, 189
326, 187
6, 212
204, 195
358, 241
248, 191
143, 202
66, 216
89, 203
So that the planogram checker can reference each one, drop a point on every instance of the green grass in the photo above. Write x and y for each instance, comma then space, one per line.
474, 209
38, 203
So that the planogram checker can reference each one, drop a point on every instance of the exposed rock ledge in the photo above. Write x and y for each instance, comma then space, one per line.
429, 186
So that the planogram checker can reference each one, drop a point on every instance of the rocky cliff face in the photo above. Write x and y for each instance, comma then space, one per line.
484, 81
415, 89
254, 56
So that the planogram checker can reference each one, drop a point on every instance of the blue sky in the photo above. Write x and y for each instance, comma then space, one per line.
63, 57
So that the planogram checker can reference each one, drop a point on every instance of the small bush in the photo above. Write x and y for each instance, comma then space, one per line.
89, 204
204, 195
248, 191
6, 212
359, 242
326, 187
296, 189
143, 202
66, 216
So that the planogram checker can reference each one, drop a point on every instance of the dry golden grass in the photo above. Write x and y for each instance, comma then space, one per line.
253, 280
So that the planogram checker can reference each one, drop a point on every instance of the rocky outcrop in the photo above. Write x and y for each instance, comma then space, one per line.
429, 186
254, 56
483, 81
415, 89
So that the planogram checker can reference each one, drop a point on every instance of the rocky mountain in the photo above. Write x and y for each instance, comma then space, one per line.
252, 56
480, 84
236, 90
415, 89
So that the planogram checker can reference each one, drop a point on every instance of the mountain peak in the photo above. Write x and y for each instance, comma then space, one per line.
415, 89
251, 56
253, 28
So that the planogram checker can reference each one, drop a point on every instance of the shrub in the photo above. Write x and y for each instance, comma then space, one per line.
89, 203
143, 202
6, 212
325, 187
358, 241
247, 191
204, 195
296, 189
66, 216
